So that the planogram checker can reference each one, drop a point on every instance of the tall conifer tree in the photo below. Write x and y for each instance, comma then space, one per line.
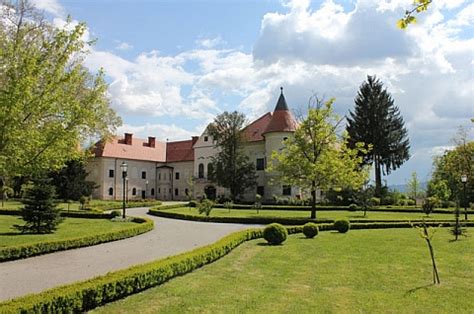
377, 121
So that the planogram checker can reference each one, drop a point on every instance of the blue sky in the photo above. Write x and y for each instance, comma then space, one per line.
173, 65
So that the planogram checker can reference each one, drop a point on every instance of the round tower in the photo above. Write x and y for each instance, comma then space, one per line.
281, 126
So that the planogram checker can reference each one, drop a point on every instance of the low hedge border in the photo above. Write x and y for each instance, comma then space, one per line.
87, 295
28, 250
65, 213
266, 220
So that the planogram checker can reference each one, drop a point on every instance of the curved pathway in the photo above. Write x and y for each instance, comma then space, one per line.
169, 237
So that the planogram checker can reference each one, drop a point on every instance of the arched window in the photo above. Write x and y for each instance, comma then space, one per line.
111, 191
201, 171
210, 169
176, 192
134, 191
152, 191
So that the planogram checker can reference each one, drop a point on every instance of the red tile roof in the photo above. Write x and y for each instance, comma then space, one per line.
253, 131
139, 150
180, 151
282, 121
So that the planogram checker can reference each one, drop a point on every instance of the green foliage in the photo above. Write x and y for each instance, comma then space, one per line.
70, 182
40, 213
413, 186
375, 201
28, 250
192, 204
258, 202
228, 205
353, 207
429, 205
458, 229
50, 102
315, 157
84, 201
275, 234
231, 167
115, 213
411, 202
417, 7
310, 230
342, 225
440, 190
377, 122
205, 206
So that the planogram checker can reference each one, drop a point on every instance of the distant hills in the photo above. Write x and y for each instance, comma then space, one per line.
402, 188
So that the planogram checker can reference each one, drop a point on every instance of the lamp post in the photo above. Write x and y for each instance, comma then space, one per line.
464, 182
146, 189
124, 168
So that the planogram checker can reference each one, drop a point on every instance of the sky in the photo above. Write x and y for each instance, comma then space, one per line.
173, 66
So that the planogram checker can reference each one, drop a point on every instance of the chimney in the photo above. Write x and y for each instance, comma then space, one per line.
151, 141
128, 138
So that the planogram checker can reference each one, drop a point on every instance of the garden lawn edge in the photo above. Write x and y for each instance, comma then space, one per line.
10, 253
87, 295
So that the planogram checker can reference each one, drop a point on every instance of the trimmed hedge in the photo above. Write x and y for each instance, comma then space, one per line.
310, 230
65, 213
342, 225
275, 234
28, 250
86, 295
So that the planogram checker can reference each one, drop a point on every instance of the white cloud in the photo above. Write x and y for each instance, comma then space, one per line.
123, 46
50, 6
209, 43
162, 132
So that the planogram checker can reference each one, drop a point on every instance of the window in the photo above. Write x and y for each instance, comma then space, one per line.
176, 175
201, 171
210, 169
206, 138
134, 191
285, 138
143, 174
186, 192
152, 192
159, 176
176, 192
170, 191
159, 191
111, 173
260, 164
164, 176
287, 190
111, 191
260, 190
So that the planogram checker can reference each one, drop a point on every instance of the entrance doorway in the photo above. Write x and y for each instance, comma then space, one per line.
210, 192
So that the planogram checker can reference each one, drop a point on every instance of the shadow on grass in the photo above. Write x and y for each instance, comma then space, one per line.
419, 288
268, 244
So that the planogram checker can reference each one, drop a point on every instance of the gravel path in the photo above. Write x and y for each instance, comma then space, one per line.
169, 237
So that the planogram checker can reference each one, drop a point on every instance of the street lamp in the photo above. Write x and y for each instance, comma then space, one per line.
124, 168
464, 182
146, 189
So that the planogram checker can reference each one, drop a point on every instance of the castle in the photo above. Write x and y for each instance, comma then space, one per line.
178, 170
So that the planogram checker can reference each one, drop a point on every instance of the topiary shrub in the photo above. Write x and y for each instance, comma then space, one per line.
310, 230
115, 213
353, 207
192, 204
275, 234
374, 201
342, 225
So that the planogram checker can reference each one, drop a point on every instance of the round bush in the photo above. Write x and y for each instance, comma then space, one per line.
342, 225
275, 234
352, 207
115, 213
192, 204
310, 230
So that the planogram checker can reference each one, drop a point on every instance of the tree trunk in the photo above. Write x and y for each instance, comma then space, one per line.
435, 269
313, 200
378, 177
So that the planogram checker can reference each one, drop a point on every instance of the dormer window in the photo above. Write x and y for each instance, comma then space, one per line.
206, 138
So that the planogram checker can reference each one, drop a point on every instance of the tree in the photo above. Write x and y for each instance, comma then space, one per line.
231, 167
413, 186
417, 7
363, 197
40, 213
70, 182
448, 168
50, 102
427, 234
377, 122
315, 157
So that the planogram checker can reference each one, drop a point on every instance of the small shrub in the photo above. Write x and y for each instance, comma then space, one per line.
353, 207
310, 230
275, 234
192, 204
402, 202
429, 204
374, 201
115, 213
205, 206
228, 205
84, 201
411, 202
342, 225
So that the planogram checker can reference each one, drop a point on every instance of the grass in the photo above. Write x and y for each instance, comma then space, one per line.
70, 228
370, 271
332, 214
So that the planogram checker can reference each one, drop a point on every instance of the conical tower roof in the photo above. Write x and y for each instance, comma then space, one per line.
282, 120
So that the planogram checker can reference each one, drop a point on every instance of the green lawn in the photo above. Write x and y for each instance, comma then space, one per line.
70, 228
368, 271
332, 214
17, 204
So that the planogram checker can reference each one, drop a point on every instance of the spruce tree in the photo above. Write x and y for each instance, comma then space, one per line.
40, 213
376, 121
